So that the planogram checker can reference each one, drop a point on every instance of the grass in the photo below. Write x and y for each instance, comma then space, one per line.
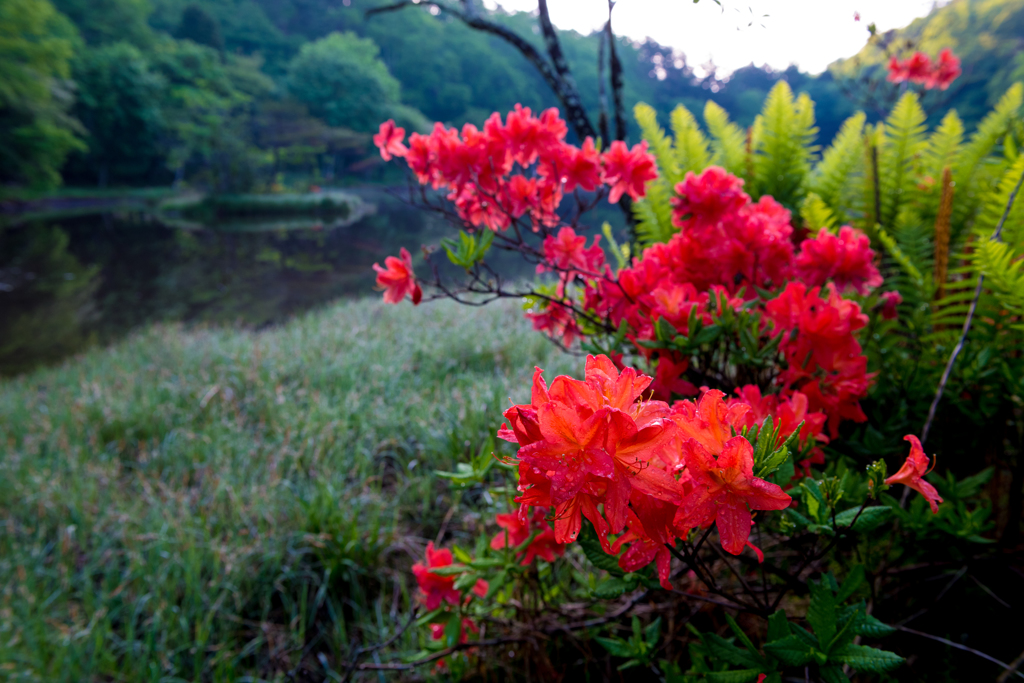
221, 505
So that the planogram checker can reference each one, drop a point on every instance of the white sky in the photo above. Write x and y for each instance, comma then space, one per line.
808, 33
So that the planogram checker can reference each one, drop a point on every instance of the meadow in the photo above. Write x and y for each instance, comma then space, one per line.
222, 504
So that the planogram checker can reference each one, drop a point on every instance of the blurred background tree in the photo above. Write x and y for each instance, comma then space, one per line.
36, 129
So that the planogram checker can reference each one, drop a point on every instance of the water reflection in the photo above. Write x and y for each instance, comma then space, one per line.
67, 283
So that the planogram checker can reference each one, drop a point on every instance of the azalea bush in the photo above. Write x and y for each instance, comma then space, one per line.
766, 351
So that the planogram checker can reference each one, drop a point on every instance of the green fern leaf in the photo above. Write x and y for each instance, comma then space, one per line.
783, 136
691, 148
995, 203
728, 141
977, 168
841, 162
816, 214
899, 156
659, 144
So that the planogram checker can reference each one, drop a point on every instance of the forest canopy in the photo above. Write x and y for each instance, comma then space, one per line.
143, 92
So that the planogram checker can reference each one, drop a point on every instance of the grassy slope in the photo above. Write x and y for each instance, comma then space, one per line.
208, 503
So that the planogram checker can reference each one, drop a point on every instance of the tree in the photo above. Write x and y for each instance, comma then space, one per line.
119, 104
109, 21
198, 26
36, 131
343, 81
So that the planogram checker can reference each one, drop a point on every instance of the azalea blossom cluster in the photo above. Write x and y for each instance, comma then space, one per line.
919, 68
730, 249
516, 168
643, 472
649, 471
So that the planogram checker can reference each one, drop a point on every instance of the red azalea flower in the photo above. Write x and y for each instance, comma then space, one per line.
628, 170
517, 530
581, 167
398, 280
889, 301
898, 71
435, 588
567, 253
919, 68
915, 467
846, 259
723, 488
707, 198
389, 140
946, 70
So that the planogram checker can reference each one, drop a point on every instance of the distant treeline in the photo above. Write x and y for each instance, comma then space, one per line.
239, 94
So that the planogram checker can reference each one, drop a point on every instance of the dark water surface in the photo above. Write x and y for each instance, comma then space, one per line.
68, 283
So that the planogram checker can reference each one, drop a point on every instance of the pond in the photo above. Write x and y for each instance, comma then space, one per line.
68, 282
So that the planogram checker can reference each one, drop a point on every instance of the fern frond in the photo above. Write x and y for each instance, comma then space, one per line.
1004, 273
994, 126
840, 163
977, 167
897, 255
995, 203
728, 141
658, 143
691, 148
816, 214
943, 146
783, 135
654, 214
899, 156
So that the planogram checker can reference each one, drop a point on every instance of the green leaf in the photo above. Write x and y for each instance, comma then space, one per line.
452, 631
872, 627
449, 570
612, 587
740, 634
495, 584
721, 649
615, 646
821, 613
870, 519
832, 674
853, 581
791, 650
869, 659
778, 626
652, 633
591, 545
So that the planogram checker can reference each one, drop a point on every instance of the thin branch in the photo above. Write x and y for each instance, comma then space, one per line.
616, 74
568, 93
967, 322
602, 96
958, 646
565, 90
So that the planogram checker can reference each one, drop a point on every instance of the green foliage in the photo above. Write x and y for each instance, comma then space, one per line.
639, 649
783, 137
654, 212
470, 249
109, 21
198, 26
36, 130
343, 81
119, 105
840, 164
901, 144
727, 140
691, 147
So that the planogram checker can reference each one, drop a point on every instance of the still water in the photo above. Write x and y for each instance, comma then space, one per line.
67, 283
